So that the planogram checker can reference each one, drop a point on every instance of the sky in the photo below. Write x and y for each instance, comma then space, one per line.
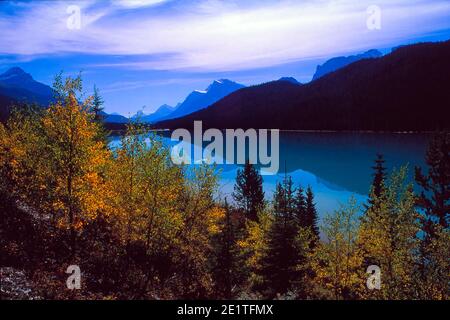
145, 53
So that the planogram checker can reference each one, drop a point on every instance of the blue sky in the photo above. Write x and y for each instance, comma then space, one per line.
151, 52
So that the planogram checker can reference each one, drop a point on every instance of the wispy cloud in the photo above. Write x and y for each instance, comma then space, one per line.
137, 3
131, 85
216, 35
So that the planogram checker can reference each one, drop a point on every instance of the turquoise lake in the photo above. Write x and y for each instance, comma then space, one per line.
335, 165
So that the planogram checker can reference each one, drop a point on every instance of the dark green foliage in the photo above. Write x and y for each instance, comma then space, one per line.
311, 221
225, 270
280, 261
248, 191
379, 178
97, 105
373, 94
435, 196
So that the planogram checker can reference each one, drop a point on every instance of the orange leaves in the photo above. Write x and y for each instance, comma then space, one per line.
56, 163
214, 215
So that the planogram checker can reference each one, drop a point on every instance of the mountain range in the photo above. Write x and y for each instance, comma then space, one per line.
340, 62
161, 112
406, 90
200, 99
18, 86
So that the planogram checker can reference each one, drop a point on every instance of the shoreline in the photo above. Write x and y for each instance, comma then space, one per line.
121, 131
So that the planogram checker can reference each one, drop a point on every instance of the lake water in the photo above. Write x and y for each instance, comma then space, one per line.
335, 165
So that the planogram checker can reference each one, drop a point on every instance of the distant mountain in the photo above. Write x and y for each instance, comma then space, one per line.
20, 86
340, 62
114, 118
198, 100
406, 90
289, 79
161, 112
17, 87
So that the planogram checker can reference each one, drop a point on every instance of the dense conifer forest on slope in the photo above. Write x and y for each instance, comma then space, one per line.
407, 90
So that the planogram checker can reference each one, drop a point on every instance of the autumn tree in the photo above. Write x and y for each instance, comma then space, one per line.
20, 138
388, 238
166, 217
74, 161
252, 250
59, 163
248, 191
200, 222
226, 270
337, 260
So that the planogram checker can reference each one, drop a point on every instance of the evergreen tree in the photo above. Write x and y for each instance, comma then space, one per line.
434, 202
279, 264
97, 110
97, 104
300, 207
248, 191
311, 214
379, 178
225, 271
435, 196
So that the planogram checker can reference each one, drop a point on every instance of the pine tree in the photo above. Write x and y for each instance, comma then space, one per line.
379, 178
225, 270
97, 110
434, 205
435, 196
311, 214
97, 104
300, 207
279, 264
248, 191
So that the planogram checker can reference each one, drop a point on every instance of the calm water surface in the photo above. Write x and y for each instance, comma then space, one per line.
335, 165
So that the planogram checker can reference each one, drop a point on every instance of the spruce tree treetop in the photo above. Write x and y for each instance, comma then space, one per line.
379, 178
435, 195
311, 213
248, 191
97, 104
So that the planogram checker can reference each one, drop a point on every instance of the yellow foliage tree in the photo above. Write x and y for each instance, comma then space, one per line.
388, 239
337, 261
165, 208
254, 244
56, 163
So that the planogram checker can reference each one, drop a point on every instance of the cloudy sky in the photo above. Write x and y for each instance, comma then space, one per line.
150, 52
